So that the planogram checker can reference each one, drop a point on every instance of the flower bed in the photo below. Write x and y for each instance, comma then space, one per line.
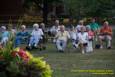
20, 63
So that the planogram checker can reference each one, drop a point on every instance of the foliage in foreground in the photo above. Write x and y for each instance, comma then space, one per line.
20, 63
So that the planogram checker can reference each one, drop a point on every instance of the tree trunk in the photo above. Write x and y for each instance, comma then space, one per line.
45, 11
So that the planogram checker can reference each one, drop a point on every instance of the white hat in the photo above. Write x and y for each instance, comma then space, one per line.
23, 26
35, 25
3, 27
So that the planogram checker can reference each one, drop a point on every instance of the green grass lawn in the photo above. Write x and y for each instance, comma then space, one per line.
66, 64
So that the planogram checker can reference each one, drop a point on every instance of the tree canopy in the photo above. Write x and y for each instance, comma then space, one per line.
99, 8
77, 8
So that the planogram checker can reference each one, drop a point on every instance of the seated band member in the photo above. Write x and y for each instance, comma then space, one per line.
90, 39
105, 35
21, 36
54, 29
78, 27
61, 39
36, 35
73, 36
5, 36
82, 39
42, 44
95, 28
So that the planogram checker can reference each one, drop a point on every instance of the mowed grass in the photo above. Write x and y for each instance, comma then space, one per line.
66, 64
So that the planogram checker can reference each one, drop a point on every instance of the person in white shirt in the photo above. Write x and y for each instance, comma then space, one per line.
36, 35
61, 39
82, 39
73, 36
78, 27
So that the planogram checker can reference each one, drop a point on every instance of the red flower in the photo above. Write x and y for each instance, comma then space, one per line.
21, 53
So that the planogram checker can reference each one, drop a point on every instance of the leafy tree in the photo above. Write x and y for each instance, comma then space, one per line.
84, 8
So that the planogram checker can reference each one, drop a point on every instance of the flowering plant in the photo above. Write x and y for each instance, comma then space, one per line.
17, 62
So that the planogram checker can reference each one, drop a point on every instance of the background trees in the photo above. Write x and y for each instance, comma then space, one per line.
86, 8
74, 8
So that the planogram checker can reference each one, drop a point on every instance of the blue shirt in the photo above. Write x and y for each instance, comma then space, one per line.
5, 34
